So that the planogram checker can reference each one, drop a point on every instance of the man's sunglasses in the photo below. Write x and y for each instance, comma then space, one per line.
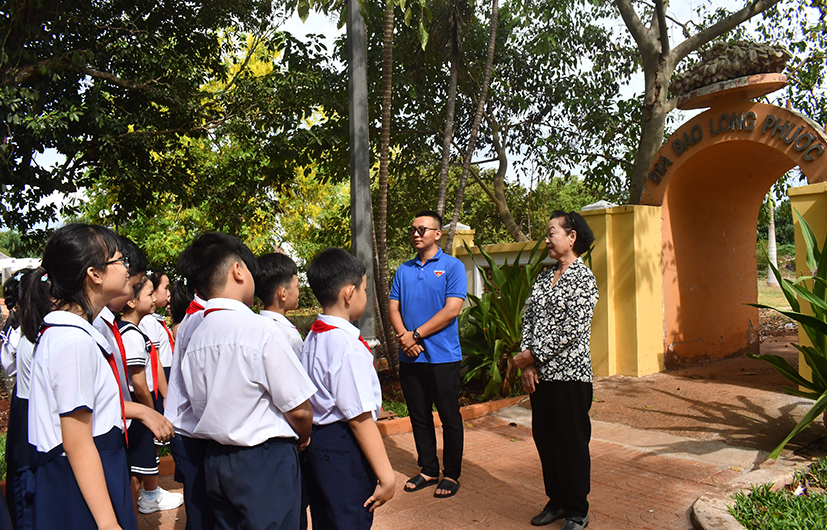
421, 230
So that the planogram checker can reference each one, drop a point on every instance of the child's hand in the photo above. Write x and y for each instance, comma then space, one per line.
383, 493
161, 428
302, 445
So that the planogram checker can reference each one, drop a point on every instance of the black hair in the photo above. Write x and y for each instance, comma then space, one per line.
61, 278
179, 301
583, 234
135, 292
11, 297
155, 274
133, 253
330, 271
206, 261
274, 270
432, 214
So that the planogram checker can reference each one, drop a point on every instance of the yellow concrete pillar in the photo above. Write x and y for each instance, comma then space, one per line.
811, 202
627, 330
460, 236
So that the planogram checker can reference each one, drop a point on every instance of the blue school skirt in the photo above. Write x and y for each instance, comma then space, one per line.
58, 502
18, 456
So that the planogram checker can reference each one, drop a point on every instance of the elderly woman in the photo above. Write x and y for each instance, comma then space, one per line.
557, 370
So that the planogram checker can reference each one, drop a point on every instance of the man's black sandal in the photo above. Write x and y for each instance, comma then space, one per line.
447, 484
420, 482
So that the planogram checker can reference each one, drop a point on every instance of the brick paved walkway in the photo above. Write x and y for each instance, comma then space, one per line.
502, 488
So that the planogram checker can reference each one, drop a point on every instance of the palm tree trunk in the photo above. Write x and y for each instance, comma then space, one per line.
382, 294
475, 126
772, 248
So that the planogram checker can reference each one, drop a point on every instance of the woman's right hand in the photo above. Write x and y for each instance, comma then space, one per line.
530, 378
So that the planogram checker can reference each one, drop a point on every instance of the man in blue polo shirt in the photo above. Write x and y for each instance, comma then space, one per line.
425, 300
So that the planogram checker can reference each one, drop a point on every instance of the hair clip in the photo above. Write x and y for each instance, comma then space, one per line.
18, 276
45, 277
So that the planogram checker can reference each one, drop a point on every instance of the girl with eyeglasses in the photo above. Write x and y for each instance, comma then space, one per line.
76, 414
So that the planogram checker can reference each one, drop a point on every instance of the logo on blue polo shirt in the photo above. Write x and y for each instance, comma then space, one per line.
439, 273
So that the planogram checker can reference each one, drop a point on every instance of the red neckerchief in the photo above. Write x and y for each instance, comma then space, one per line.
213, 310
153, 358
111, 360
194, 307
169, 333
119, 339
320, 327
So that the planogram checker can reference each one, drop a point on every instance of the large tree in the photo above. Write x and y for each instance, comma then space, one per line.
659, 58
123, 91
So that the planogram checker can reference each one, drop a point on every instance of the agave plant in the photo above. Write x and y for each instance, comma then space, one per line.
812, 289
493, 323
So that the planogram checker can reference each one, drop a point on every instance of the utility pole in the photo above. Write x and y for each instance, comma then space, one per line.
361, 212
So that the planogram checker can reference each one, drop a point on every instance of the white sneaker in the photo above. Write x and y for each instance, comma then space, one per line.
164, 500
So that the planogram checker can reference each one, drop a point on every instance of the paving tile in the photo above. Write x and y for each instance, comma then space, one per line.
502, 486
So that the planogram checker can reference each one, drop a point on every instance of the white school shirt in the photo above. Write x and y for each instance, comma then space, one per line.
241, 376
342, 369
8, 350
152, 328
177, 408
69, 373
289, 329
25, 356
137, 346
102, 323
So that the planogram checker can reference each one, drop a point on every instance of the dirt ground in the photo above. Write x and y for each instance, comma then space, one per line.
738, 401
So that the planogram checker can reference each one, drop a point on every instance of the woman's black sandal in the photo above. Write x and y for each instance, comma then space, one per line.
452, 486
420, 482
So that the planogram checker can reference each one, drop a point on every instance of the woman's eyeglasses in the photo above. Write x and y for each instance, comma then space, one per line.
420, 230
122, 259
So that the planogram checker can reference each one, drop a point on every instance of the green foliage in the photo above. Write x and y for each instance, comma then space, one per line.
764, 509
397, 407
762, 256
492, 325
784, 230
812, 288
12, 246
3, 456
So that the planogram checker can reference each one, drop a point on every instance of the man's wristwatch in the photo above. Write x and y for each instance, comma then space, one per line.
416, 335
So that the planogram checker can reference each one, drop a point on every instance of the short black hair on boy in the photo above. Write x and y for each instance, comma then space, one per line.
330, 271
274, 270
133, 253
432, 214
206, 261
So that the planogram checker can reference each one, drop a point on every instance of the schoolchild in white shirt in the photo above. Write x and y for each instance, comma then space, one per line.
346, 469
249, 393
17, 433
277, 286
76, 420
155, 327
187, 450
179, 301
143, 455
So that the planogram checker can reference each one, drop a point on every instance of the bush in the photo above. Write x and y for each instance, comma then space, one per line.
762, 256
814, 325
493, 323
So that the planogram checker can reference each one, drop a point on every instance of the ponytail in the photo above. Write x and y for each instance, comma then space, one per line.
37, 299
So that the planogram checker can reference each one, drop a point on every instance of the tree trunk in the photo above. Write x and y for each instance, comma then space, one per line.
772, 248
475, 126
447, 136
656, 106
382, 215
499, 184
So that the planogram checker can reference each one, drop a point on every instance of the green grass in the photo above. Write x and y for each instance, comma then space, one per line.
398, 408
764, 509
771, 295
